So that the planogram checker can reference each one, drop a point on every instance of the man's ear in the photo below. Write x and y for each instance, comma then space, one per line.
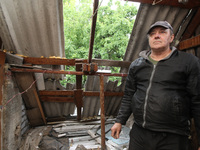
172, 38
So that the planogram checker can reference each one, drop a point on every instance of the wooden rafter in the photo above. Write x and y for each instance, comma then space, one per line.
192, 26
189, 43
175, 3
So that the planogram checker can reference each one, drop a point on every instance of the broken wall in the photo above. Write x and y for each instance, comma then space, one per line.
14, 120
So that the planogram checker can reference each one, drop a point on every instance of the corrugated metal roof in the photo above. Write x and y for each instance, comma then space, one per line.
147, 15
32, 28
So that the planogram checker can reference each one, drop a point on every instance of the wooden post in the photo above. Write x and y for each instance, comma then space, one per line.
78, 93
94, 20
103, 145
2, 63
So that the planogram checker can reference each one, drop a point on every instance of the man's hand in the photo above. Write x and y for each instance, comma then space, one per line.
115, 130
199, 148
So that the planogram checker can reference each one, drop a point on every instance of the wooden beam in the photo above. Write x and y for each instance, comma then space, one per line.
78, 94
56, 93
40, 107
191, 3
57, 99
73, 62
189, 43
94, 20
52, 61
2, 63
192, 26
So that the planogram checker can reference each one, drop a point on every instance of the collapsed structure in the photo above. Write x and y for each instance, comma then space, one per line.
31, 94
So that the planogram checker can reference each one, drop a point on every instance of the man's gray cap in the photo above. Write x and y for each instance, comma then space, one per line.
164, 24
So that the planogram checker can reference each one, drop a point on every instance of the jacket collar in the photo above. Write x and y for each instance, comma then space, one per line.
145, 54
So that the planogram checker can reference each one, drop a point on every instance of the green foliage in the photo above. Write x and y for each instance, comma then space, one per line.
77, 24
113, 29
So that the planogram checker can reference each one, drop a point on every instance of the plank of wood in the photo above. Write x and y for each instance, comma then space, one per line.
51, 61
75, 128
73, 62
40, 106
189, 43
57, 93
57, 99
192, 26
174, 3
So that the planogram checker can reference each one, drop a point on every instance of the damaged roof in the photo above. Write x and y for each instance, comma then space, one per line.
35, 29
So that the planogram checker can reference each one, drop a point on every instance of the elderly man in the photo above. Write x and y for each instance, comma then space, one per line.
163, 93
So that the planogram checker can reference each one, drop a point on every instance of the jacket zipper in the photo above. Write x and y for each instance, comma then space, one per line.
147, 95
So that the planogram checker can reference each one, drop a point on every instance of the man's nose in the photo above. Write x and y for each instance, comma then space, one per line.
157, 35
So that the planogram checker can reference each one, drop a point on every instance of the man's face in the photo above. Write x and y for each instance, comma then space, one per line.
160, 38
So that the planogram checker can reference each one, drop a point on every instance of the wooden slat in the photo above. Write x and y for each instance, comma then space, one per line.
57, 99
174, 3
56, 93
2, 63
190, 43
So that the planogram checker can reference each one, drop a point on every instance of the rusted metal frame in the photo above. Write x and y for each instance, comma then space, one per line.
174, 3
57, 99
94, 20
189, 43
78, 93
2, 63
192, 26
40, 107
102, 100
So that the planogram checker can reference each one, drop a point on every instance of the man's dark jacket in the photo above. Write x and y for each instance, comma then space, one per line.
163, 97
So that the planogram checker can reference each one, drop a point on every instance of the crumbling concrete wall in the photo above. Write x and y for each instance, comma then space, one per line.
13, 122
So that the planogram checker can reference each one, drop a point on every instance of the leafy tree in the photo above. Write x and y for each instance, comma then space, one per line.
113, 28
